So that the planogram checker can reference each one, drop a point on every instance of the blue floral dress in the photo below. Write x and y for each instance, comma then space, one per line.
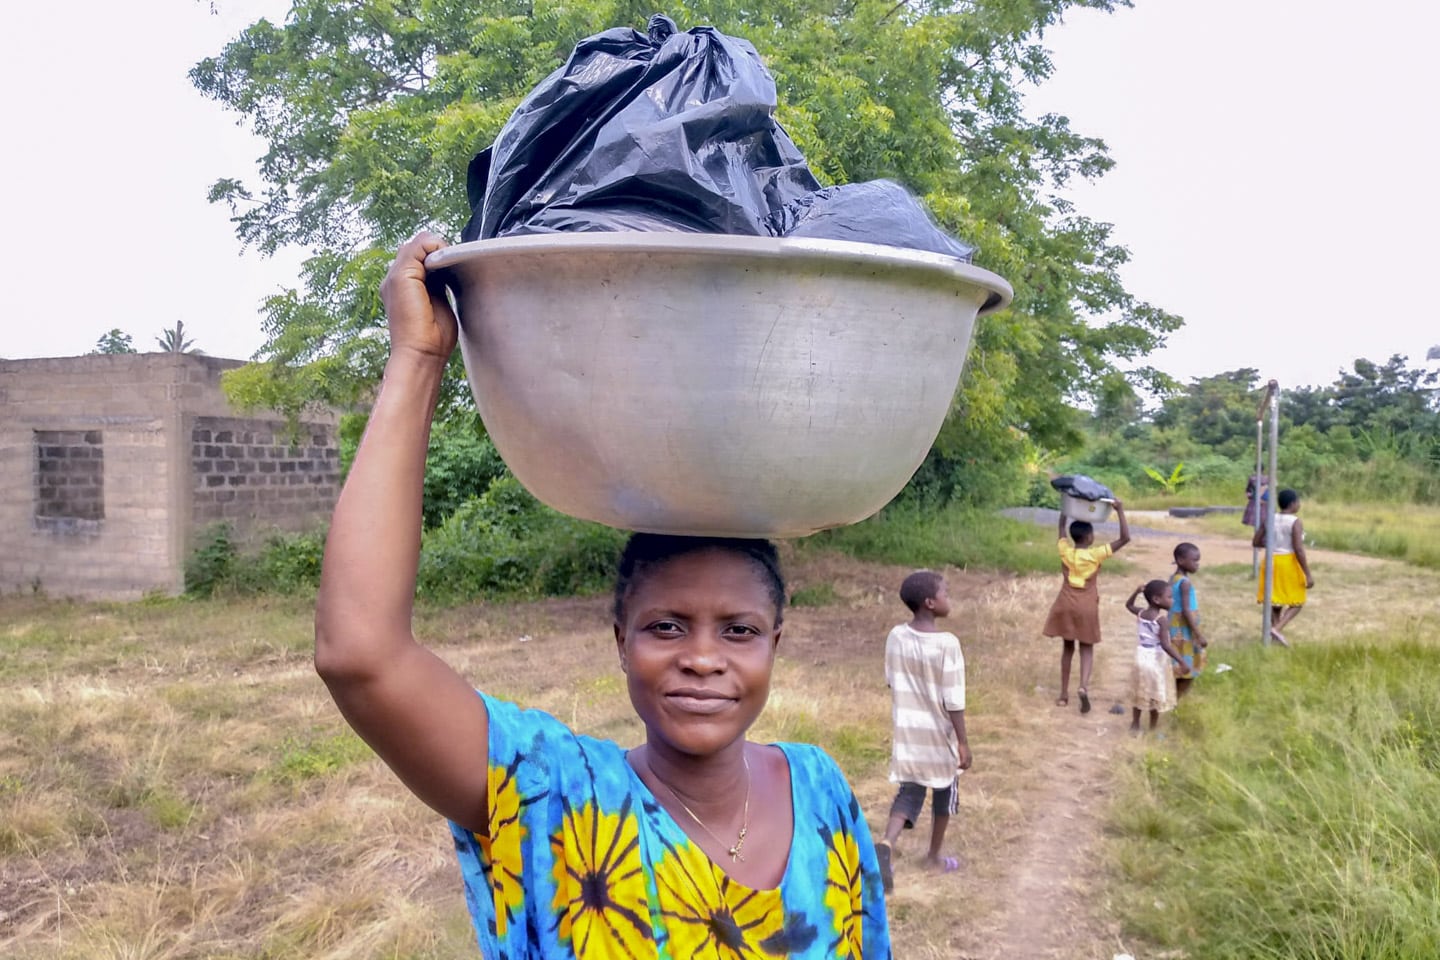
581, 862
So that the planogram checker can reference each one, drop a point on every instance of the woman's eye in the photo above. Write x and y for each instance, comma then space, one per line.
741, 631
665, 627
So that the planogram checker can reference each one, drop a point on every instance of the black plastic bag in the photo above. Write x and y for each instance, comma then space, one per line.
671, 131
1082, 487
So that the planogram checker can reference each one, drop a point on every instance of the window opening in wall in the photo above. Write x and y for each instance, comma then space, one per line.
69, 480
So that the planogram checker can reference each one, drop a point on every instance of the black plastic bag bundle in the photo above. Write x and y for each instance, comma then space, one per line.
1082, 487
671, 131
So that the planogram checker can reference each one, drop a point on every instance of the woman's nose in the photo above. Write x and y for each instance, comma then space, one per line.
703, 653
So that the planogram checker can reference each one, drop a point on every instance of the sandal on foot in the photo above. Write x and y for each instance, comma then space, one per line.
1062, 701
887, 869
1084, 701
945, 864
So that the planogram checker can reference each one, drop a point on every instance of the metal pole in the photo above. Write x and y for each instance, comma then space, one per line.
1270, 514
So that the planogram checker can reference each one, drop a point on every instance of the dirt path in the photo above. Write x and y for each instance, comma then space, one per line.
1051, 902
1049, 897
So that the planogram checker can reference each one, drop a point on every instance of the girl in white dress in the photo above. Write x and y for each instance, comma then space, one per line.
1152, 682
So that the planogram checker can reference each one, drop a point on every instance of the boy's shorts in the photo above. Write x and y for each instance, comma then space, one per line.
910, 798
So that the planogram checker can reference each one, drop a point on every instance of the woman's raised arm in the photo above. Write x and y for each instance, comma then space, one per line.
413, 709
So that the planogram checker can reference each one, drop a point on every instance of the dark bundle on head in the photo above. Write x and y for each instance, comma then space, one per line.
645, 552
920, 586
1287, 499
1155, 589
1081, 530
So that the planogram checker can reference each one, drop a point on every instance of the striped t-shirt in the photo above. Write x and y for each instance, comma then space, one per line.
926, 673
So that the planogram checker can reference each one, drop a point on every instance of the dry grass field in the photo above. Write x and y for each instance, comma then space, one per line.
175, 782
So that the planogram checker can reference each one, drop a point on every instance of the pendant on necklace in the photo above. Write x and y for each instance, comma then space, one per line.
739, 842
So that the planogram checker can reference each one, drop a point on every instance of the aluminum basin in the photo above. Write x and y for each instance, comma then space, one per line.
713, 385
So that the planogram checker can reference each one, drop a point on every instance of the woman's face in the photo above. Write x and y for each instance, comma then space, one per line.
697, 646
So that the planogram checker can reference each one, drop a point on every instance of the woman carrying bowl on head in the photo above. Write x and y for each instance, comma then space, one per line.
696, 843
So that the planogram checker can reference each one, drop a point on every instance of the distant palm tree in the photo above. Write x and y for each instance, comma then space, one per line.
174, 341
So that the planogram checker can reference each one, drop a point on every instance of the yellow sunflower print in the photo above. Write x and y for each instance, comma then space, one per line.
600, 893
708, 916
843, 893
502, 847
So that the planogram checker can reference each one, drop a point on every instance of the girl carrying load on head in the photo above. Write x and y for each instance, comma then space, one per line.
1075, 615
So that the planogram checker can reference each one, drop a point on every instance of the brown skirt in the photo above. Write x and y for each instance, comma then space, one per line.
1075, 614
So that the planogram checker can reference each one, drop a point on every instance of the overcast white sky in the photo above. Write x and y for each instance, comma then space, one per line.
1274, 177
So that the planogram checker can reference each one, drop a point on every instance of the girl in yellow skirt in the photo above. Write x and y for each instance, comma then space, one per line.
1292, 569
1075, 614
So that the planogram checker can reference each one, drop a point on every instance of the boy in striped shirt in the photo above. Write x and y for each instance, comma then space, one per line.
925, 669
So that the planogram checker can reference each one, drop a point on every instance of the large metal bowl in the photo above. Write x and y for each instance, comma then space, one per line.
713, 385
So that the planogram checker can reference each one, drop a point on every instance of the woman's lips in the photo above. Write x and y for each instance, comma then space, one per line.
699, 701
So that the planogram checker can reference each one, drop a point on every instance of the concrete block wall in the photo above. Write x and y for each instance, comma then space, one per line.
258, 474
141, 411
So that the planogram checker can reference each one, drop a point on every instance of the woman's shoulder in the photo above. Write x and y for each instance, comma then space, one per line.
529, 731
809, 764
818, 785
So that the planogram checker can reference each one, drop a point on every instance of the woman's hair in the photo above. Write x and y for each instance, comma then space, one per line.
644, 552
1080, 529
1154, 589
1287, 499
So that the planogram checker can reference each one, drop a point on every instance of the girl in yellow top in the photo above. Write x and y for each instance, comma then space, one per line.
1075, 614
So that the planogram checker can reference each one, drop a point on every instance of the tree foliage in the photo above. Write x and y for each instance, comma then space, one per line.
115, 341
371, 110
1371, 434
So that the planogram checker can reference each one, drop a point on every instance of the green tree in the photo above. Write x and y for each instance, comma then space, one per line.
1389, 396
115, 341
173, 340
1217, 411
372, 109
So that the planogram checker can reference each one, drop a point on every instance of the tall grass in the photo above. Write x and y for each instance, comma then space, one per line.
1296, 814
913, 535
1408, 532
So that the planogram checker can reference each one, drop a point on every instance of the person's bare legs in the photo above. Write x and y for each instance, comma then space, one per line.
1134, 719
1154, 719
938, 823
1280, 617
1087, 663
885, 850
1067, 654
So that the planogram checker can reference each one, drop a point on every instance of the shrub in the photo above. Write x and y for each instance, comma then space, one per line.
283, 563
212, 561
506, 543
459, 466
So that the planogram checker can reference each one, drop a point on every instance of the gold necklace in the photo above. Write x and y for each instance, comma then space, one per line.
734, 850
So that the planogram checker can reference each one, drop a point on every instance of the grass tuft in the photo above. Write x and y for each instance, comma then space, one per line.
1299, 813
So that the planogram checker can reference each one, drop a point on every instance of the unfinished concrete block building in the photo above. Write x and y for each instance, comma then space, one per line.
111, 465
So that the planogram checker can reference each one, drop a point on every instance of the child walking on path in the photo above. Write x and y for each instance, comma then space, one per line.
925, 669
1075, 614
1185, 619
1292, 567
1152, 684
